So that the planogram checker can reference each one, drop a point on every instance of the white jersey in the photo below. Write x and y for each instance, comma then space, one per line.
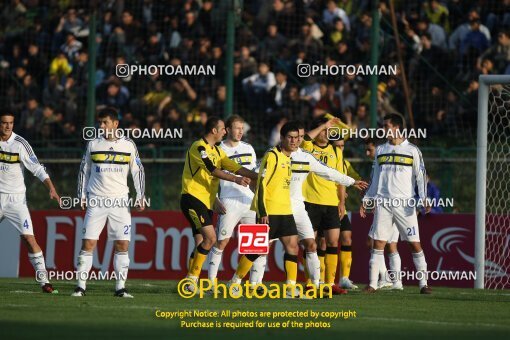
104, 169
243, 154
397, 170
16, 155
302, 163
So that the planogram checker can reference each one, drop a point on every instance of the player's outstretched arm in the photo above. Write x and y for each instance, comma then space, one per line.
51, 188
421, 178
334, 175
83, 177
244, 181
248, 173
315, 132
138, 174
30, 162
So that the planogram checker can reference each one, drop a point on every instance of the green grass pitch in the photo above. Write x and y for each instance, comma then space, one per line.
449, 313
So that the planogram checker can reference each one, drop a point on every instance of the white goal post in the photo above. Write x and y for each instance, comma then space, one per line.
492, 214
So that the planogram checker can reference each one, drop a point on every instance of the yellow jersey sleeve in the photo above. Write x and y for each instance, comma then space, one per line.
307, 144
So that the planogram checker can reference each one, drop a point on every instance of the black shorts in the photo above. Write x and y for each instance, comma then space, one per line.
281, 225
345, 224
196, 212
323, 217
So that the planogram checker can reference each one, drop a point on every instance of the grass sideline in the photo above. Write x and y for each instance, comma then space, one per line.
461, 313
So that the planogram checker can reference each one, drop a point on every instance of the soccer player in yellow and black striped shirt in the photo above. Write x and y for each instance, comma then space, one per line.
322, 199
203, 169
273, 205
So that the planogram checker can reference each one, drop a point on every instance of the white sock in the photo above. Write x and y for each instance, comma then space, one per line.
376, 260
383, 270
84, 266
257, 270
395, 264
421, 266
313, 265
37, 261
121, 267
214, 262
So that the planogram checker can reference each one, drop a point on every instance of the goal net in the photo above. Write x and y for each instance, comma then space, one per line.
492, 248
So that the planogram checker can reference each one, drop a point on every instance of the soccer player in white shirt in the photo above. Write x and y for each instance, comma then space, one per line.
102, 179
391, 246
234, 200
303, 163
15, 156
398, 168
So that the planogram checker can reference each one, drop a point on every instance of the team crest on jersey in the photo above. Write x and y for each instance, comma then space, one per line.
111, 148
203, 153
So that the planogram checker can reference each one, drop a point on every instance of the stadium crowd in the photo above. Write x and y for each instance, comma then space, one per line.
44, 62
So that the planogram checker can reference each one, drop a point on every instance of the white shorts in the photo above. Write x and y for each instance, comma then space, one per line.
238, 211
13, 208
118, 218
394, 235
404, 218
303, 223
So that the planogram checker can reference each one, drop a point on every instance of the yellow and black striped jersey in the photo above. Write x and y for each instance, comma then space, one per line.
201, 160
318, 190
105, 166
272, 196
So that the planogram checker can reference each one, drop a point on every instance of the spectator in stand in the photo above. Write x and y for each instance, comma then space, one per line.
456, 38
436, 32
258, 86
499, 53
332, 11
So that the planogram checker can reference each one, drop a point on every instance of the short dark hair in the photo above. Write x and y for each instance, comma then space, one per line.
289, 127
395, 119
5, 112
369, 141
109, 112
212, 123
232, 119
318, 122
300, 124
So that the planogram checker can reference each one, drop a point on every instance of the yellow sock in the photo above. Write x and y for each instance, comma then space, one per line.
290, 267
331, 261
320, 254
346, 260
198, 261
190, 260
244, 266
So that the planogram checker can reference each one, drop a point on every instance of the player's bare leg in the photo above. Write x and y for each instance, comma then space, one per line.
346, 259
290, 259
420, 265
331, 259
395, 264
201, 252
121, 267
85, 259
36, 257
198, 239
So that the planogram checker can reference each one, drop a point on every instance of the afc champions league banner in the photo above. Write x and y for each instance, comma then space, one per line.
161, 242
